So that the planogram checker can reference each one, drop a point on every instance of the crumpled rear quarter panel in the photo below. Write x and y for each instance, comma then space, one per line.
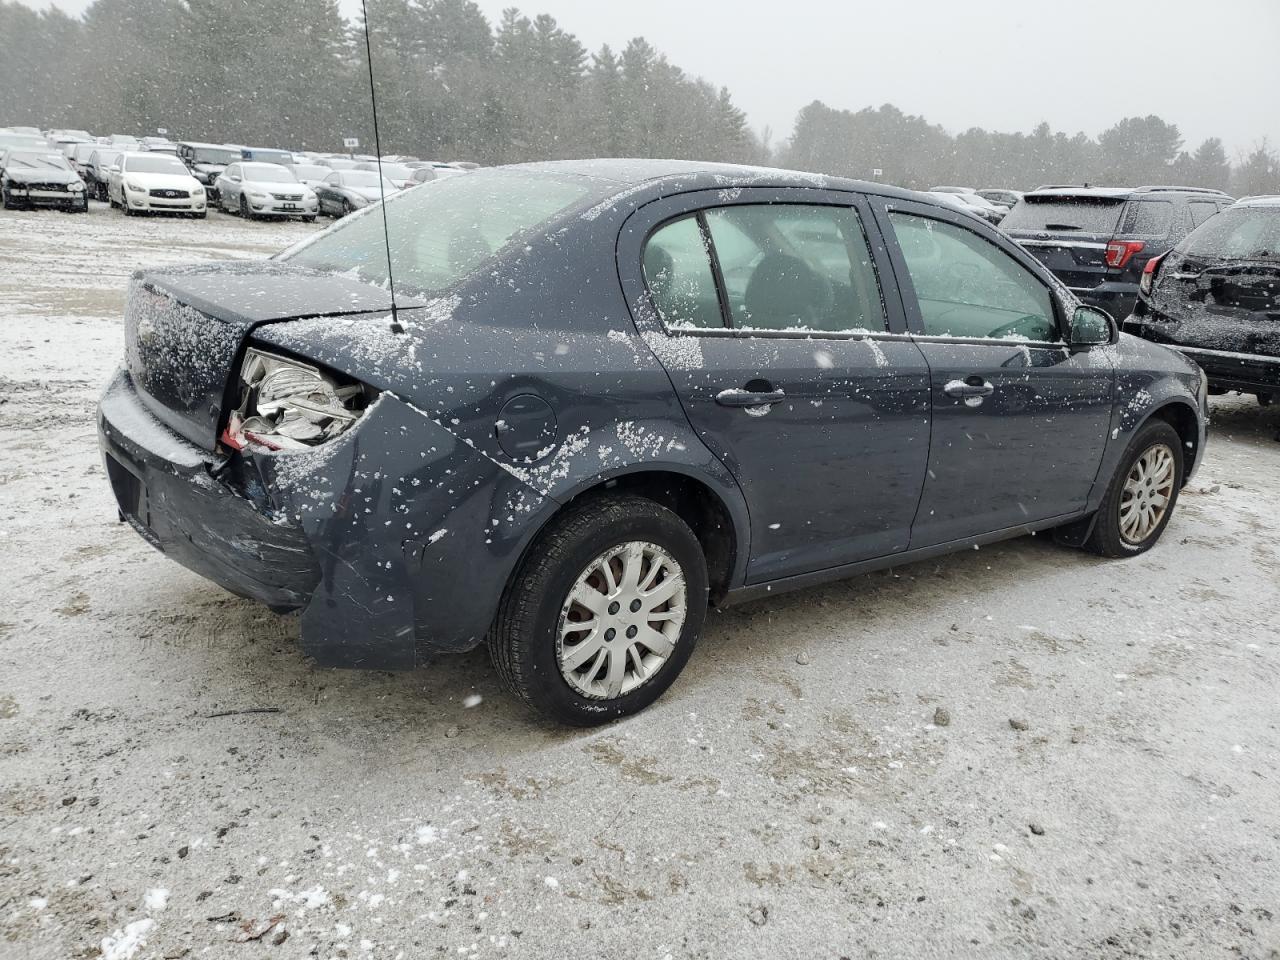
415, 533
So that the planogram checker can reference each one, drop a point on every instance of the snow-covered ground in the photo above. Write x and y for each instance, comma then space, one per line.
791, 796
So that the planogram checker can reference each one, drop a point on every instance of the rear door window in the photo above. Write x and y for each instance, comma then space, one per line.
677, 270
1147, 218
968, 287
796, 267
1202, 210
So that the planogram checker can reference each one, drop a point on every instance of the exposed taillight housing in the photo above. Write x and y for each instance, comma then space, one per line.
1120, 252
1147, 282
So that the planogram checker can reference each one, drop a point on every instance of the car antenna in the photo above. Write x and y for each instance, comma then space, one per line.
396, 327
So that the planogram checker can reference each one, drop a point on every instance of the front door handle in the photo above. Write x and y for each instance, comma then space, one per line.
737, 397
967, 389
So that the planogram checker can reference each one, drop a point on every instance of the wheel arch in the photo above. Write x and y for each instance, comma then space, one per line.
718, 521
1182, 416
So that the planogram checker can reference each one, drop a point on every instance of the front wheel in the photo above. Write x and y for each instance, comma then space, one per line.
309, 219
604, 613
244, 208
1142, 494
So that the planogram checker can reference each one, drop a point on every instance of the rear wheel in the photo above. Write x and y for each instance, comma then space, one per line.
604, 613
1142, 494
1265, 399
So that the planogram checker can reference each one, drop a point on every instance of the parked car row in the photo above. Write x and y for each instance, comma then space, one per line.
138, 175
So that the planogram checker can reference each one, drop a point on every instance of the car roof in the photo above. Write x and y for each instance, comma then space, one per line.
1119, 193
1263, 201
628, 174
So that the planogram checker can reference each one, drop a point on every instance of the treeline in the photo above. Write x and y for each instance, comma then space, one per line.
293, 73
452, 85
909, 150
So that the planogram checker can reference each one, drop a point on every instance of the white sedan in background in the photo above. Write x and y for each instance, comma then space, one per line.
264, 190
154, 183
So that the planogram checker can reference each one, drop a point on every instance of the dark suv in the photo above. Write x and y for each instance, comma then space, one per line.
1098, 239
1216, 298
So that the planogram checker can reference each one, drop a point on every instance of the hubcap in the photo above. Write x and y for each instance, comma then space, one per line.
1146, 495
621, 620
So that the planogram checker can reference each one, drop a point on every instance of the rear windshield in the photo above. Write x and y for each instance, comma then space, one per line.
215, 155
1052, 214
440, 235
1242, 233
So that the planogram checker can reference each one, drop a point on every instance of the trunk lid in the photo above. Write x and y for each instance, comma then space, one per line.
184, 329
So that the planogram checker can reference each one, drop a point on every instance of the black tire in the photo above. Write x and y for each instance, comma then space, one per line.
6, 200
346, 208
1107, 539
310, 219
522, 642
244, 208
1265, 399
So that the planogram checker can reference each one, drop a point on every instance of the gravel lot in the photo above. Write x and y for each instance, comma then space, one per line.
792, 796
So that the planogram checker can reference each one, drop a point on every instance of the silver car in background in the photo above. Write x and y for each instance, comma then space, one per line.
264, 190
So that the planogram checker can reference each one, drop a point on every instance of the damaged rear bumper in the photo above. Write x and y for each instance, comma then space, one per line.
170, 492
395, 537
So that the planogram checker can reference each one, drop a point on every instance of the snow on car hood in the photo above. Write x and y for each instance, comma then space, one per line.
43, 175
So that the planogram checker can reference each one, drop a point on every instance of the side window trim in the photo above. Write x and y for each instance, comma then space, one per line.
881, 208
717, 274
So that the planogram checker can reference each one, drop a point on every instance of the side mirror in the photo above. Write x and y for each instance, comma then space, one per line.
1093, 327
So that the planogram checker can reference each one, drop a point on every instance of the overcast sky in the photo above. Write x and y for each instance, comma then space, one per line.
1211, 68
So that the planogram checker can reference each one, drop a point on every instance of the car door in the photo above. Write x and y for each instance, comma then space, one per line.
765, 307
229, 190
1020, 420
115, 180
324, 192
332, 184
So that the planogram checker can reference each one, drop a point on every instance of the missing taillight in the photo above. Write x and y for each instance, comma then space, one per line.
1120, 252
287, 405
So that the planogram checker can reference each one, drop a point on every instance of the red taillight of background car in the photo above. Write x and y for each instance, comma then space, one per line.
1148, 279
1120, 252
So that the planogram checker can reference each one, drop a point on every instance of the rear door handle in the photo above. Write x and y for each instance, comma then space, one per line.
972, 387
746, 398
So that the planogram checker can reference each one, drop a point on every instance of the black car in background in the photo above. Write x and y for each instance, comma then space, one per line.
1097, 240
614, 392
40, 178
1216, 298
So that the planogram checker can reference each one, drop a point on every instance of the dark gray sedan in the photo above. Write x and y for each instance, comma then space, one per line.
614, 392
344, 192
